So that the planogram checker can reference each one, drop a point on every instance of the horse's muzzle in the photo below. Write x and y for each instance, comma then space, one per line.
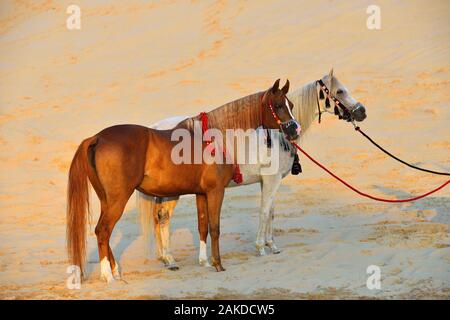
359, 112
291, 129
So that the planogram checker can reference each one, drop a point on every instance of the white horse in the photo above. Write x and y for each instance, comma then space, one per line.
310, 101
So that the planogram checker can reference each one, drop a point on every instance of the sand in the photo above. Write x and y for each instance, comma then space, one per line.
139, 62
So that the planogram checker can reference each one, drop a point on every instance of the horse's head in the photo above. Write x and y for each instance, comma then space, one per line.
276, 112
338, 100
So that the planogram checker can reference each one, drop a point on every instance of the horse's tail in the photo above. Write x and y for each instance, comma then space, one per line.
146, 206
78, 205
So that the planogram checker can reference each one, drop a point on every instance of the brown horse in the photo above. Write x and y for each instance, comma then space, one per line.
122, 158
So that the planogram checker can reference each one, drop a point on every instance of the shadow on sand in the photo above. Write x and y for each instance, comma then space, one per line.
127, 228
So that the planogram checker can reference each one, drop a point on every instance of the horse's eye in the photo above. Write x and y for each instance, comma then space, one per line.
339, 91
278, 106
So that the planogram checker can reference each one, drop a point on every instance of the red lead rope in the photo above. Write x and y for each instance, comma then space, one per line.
365, 194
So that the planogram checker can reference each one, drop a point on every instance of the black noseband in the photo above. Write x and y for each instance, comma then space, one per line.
289, 128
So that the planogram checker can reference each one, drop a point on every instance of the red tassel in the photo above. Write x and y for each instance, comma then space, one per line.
204, 120
237, 176
211, 148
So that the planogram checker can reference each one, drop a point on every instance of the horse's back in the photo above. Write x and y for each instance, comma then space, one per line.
127, 141
124, 133
119, 154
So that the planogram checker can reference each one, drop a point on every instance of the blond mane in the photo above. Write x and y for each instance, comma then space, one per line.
245, 113
305, 105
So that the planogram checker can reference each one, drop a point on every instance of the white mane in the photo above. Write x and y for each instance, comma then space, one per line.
305, 105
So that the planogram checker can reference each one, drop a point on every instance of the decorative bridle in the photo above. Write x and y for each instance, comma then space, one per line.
337, 104
275, 116
296, 167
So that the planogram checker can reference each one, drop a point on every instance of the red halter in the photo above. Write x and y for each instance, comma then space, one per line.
274, 115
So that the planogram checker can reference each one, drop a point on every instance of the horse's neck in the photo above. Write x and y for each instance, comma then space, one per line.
244, 113
305, 105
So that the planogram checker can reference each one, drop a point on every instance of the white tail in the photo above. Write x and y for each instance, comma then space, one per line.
146, 205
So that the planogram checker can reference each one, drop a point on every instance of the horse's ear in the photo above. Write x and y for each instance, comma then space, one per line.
331, 73
285, 89
275, 86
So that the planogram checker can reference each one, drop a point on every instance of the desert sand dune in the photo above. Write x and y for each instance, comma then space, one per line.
139, 62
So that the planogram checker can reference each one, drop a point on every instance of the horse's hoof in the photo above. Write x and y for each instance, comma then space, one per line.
261, 252
219, 268
107, 278
169, 263
116, 274
274, 249
173, 267
204, 263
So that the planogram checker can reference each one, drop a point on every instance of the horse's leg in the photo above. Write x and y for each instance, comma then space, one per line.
214, 203
157, 230
269, 186
108, 219
105, 268
114, 264
202, 213
259, 246
269, 232
164, 214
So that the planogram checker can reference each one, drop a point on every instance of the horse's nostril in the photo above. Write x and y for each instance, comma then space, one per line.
359, 112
